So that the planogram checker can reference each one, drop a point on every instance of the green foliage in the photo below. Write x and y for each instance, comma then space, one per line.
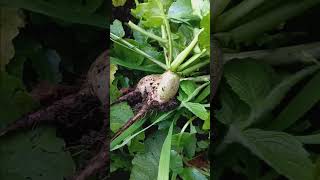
166, 37
28, 58
38, 154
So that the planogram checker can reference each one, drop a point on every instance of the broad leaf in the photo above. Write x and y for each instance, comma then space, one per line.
119, 115
281, 151
117, 29
36, 155
11, 20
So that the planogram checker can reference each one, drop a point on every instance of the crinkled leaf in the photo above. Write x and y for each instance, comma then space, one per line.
119, 115
206, 124
11, 20
252, 81
192, 174
117, 29
117, 3
188, 142
281, 151
137, 144
150, 13
15, 101
233, 110
145, 166
113, 70
119, 161
181, 10
204, 37
200, 7
36, 155
176, 164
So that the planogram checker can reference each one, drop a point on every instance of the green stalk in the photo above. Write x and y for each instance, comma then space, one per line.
167, 27
279, 56
203, 78
164, 36
191, 60
271, 20
132, 47
194, 68
182, 56
148, 34
229, 18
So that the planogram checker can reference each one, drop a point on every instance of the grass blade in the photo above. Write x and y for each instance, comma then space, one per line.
164, 163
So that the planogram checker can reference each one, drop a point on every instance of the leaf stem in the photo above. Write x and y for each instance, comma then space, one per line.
167, 27
142, 31
203, 78
191, 60
132, 47
194, 68
165, 51
182, 56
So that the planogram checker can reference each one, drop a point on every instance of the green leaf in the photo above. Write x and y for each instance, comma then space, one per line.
15, 101
117, 3
233, 110
69, 11
11, 20
36, 154
125, 136
137, 144
117, 29
281, 151
119, 115
145, 166
148, 68
113, 70
197, 109
206, 124
299, 105
188, 142
119, 161
164, 162
192, 174
188, 87
150, 12
200, 7
252, 81
204, 38
181, 10
176, 164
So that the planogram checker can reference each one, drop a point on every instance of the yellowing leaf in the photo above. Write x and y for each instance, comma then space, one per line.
113, 70
117, 3
10, 22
